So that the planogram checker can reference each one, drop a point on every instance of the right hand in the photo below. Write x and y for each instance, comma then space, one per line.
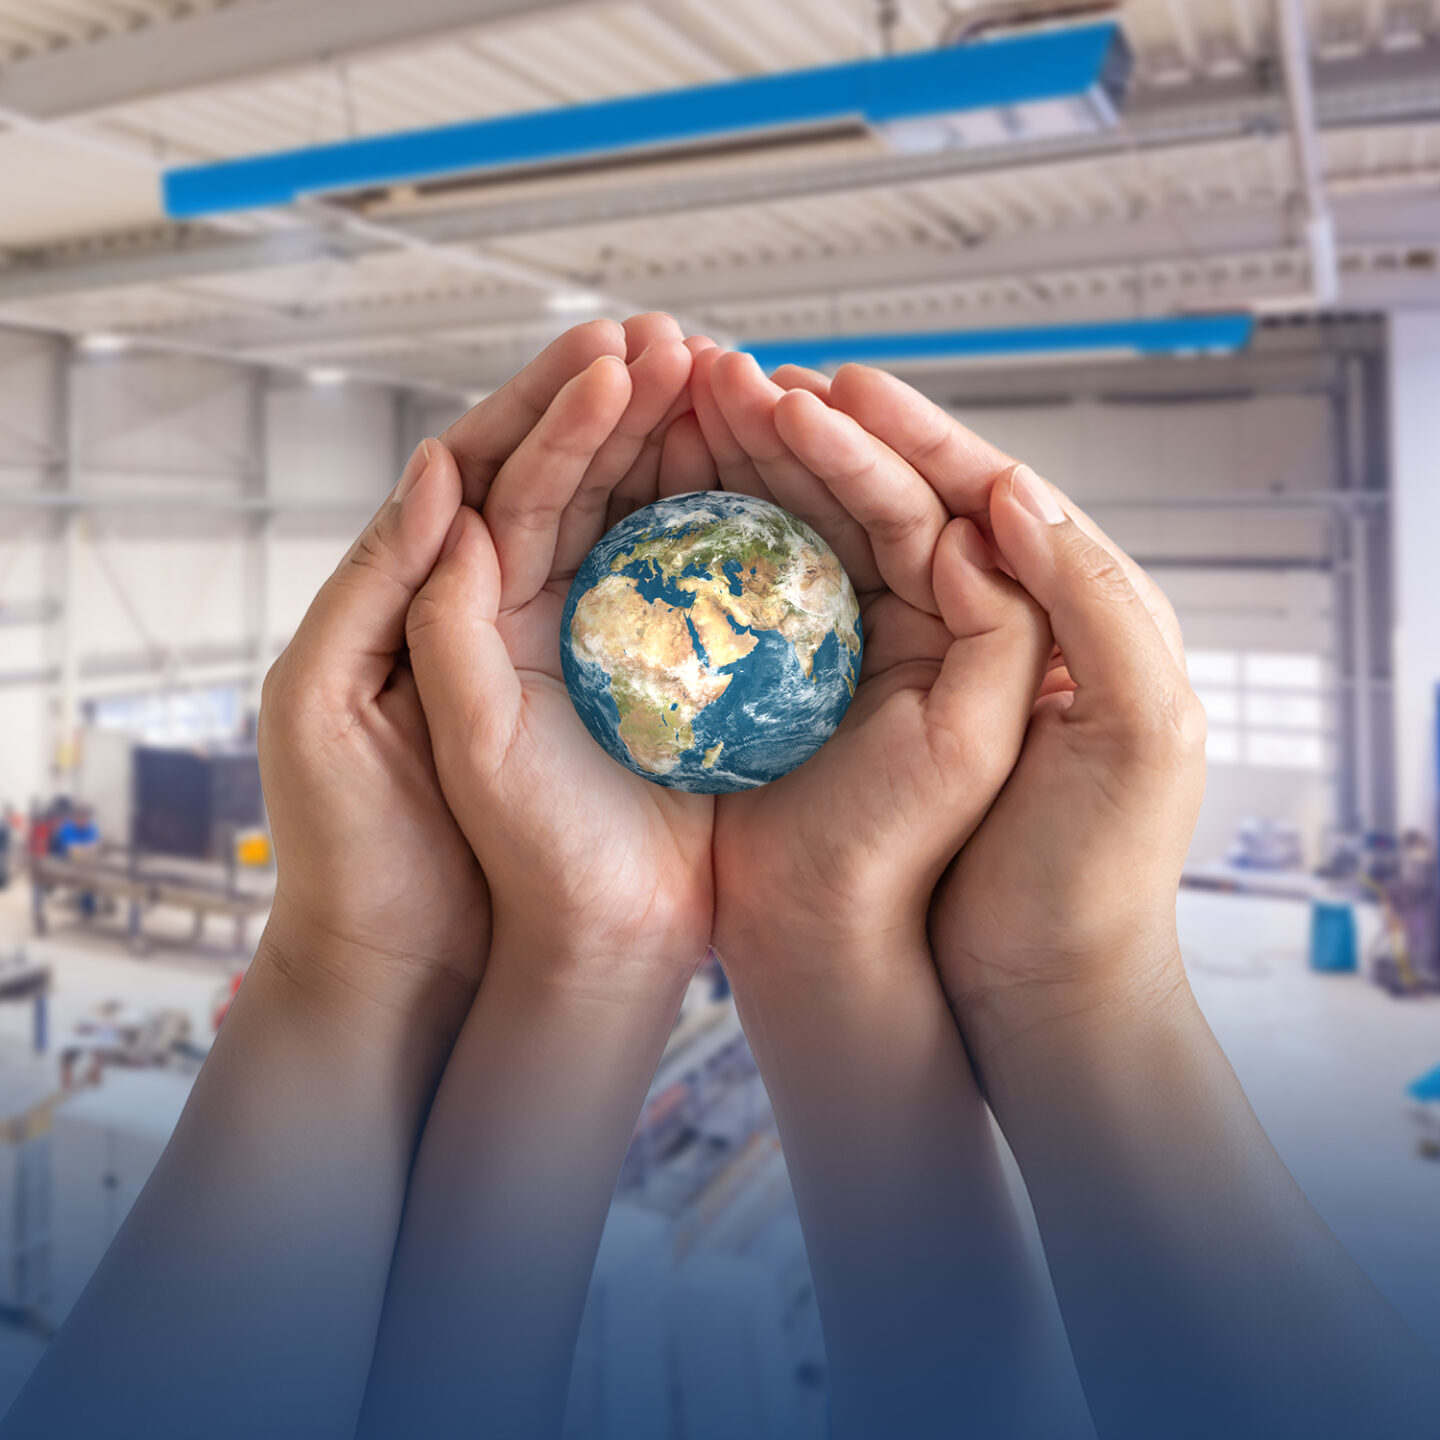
842, 854
1064, 899
1063, 902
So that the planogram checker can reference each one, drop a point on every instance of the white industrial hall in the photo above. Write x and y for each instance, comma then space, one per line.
1184, 261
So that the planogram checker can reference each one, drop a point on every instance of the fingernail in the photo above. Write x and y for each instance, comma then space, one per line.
976, 548
419, 463
1035, 495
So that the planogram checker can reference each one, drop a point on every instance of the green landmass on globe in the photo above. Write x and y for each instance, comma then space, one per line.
702, 599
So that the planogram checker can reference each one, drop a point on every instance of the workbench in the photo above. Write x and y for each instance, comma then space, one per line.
140, 884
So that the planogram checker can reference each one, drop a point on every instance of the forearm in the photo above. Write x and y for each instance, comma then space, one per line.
931, 1303
246, 1284
1202, 1293
512, 1184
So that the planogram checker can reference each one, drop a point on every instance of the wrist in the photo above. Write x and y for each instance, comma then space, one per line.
1039, 1035
779, 950
575, 962
368, 987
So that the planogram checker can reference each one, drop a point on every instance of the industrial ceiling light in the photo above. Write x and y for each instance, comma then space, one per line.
327, 376
575, 302
991, 91
104, 344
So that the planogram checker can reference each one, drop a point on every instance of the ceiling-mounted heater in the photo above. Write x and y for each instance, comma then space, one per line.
990, 91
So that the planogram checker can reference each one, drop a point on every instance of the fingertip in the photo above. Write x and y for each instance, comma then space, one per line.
422, 506
799, 377
802, 402
642, 331
668, 358
606, 336
467, 565
852, 378
704, 361
972, 592
610, 375
740, 367
975, 549
799, 415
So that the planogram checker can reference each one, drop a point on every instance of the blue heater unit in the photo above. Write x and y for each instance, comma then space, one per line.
1158, 335
1016, 88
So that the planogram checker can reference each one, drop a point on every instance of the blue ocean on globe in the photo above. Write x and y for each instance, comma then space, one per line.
711, 642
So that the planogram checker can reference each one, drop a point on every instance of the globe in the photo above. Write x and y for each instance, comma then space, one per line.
711, 642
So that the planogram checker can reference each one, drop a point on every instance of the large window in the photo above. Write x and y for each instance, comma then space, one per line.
173, 717
1266, 710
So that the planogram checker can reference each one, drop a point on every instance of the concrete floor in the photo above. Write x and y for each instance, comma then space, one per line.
1325, 1060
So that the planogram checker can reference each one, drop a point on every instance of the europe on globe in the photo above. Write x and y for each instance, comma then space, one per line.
711, 642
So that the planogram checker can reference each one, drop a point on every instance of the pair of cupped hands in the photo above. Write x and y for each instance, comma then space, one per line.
1015, 783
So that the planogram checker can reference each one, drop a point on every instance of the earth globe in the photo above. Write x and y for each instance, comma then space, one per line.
711, 642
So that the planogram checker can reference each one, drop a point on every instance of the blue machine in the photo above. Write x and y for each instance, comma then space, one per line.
1334, 940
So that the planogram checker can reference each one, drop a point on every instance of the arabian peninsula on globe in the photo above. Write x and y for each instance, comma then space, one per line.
711, 642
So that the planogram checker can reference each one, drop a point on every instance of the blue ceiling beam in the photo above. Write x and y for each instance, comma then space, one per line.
994, 74
1176, 335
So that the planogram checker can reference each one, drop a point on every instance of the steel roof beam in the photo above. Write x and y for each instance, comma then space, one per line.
1377, 89
1157, 239
238, 43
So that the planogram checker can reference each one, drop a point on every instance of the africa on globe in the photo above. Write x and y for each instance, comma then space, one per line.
711, 642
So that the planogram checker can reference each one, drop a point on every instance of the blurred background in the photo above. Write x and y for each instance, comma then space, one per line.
1181, 255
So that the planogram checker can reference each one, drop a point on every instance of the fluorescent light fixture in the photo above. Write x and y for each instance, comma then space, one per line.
327, 375
574, 302
1175, 335
1086, 114
104, 344
1013, 87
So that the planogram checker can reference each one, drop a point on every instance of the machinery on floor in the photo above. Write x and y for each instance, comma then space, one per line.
178, 828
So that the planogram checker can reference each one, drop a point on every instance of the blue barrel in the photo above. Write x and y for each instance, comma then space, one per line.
1334, 942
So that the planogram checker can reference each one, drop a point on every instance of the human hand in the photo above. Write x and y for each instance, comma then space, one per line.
1064, 899
587, 864
379, 894
848, 848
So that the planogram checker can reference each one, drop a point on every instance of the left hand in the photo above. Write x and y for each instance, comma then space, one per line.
852, 843
603, 873
379, 896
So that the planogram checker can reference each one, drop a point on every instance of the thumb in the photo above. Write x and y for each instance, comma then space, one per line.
1111, 643
981, 700
468, 686
346, 645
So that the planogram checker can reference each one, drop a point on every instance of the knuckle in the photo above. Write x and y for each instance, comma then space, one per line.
1165, 730
978, 751
895, 528
277, 697
370, 551
1098, 570
1191, 722
533, 513
935, 436
425, 615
